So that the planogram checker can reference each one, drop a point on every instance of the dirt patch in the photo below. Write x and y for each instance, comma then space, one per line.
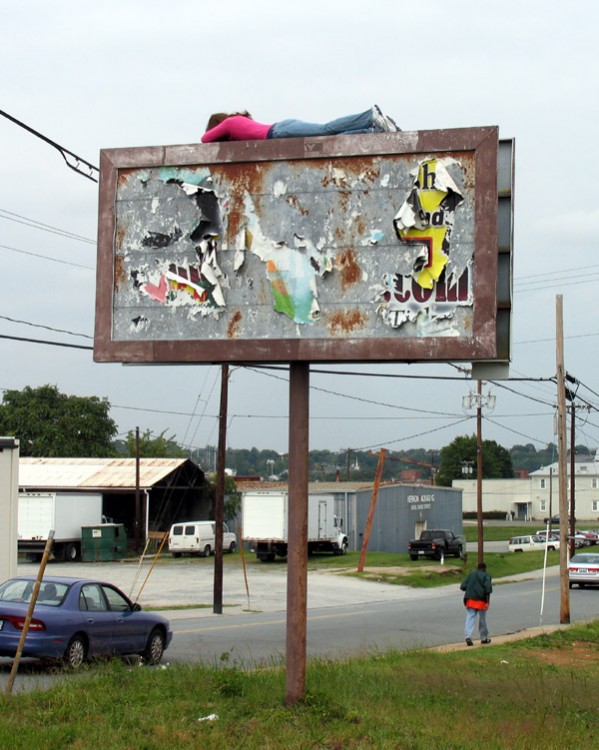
579, 654
406, 570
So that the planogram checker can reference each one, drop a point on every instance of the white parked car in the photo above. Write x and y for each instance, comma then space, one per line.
583, 569
529, 542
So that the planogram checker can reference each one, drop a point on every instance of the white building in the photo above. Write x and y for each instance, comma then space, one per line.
537, 496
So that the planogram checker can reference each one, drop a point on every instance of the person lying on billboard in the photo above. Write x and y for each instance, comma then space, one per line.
240, 126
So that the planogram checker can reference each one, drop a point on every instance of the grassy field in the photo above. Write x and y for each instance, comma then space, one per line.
536, 693
493, 533
399, 569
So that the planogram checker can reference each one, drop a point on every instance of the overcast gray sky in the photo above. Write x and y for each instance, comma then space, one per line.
115, 74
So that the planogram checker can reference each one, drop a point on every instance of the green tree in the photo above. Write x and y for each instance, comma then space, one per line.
51, 424
153, 447
496, 460
232, 497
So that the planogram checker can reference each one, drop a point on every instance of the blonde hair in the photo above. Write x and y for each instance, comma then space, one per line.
219, 117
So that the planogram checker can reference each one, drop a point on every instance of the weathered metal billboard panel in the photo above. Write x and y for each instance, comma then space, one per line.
379, 247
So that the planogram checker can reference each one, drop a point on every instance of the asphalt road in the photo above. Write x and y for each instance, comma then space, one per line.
346, 616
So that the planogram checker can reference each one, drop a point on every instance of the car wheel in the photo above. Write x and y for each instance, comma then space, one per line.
551, 549
459, 552
206, 552
154, 647
76, 652
71, 553
342, 550
232, 548
570, 585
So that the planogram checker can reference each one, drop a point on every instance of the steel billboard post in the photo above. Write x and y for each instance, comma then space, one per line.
297, 554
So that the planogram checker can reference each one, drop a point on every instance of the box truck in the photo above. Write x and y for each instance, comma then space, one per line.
65, 512
265, 524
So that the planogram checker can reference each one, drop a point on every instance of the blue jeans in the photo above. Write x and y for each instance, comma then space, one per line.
471, 621
361, 123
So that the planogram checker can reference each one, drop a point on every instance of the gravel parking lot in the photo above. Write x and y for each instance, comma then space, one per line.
189, 583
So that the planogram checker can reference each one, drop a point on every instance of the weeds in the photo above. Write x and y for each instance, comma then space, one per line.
519, 696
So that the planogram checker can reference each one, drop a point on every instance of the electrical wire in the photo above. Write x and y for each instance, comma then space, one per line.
47, 257
34, 224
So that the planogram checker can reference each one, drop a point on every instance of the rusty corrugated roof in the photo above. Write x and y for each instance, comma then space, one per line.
94, 473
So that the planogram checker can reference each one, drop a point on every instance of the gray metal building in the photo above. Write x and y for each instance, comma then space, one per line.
402, 511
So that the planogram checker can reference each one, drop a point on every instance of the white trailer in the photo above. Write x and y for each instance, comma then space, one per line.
265, 524
65, 512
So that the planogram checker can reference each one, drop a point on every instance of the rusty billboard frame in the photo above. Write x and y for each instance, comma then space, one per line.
479, 146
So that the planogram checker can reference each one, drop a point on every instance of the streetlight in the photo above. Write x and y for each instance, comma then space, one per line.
477, 401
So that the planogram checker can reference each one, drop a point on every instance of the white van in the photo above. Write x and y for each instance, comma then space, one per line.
198, 538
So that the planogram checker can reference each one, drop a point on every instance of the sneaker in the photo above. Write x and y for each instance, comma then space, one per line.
469, 642
486, 640
381, 122
393, 126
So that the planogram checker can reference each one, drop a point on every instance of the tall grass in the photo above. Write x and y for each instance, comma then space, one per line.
498, 697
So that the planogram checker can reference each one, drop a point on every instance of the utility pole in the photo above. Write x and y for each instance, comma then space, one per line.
479, 473
137, 495
572, 478
562, 462
477, 400
219, 500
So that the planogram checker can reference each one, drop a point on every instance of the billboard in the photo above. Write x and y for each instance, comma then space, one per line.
379, 247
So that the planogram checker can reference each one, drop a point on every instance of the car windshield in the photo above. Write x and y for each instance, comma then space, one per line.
19, 590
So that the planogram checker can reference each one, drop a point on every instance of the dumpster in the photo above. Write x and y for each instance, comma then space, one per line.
105, 541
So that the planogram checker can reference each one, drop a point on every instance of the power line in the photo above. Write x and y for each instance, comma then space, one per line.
47, 328
48, 343
34, 224
47, 257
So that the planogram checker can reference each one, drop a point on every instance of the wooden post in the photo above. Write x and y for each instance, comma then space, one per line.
479, 472
373, 499
34, 593
219, 500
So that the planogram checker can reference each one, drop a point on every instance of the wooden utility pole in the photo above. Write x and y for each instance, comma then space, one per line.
479, 473
572, 477
219, 499
137, 495
562, 462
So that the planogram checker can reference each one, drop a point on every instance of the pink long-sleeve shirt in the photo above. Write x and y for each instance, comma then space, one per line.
237, 128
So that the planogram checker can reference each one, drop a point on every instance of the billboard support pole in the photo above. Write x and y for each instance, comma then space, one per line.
297, 556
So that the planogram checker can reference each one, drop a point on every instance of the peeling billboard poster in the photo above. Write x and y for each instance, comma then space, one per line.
347, 248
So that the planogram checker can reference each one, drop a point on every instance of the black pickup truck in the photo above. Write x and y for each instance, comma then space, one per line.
436, 543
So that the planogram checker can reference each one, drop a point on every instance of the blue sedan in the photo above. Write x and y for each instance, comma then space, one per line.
76, 619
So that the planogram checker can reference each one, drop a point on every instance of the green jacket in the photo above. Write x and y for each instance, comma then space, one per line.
477, 585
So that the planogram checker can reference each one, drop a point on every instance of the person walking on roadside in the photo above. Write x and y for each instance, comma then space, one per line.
477, 588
